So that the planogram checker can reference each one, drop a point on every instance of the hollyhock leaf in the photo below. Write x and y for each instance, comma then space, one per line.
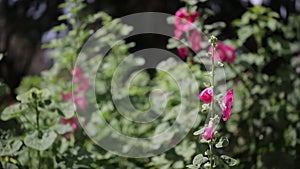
171, 20
62, 129
13, 111
223, 142
198, 132
192, 166
40, 143
9, 147
173, 43
66, 109
192, 2
229, 161
199, 160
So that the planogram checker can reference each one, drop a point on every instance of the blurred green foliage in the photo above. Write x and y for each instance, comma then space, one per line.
263, 130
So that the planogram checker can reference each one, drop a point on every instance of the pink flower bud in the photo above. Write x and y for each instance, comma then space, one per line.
183, 51
206, 95
209, 133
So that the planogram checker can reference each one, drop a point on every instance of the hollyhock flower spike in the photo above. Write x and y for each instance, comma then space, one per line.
227, 104
206, 95
208, 133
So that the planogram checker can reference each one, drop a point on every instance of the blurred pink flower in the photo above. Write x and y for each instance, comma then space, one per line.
206, 95
77, 71
224, 52
72, 121
196, 39
80, 102
81, 83
66, 96
183, 51
177, 33
227, 104
209, 133
184, 20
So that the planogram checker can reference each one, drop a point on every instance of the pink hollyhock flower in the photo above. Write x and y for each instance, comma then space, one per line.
196, 39
208, 133
177, 33
206, 95
184, 20
81, 83
224, 52
66, 96
77, 71
80, 102
227, 104
71, 121
183, 51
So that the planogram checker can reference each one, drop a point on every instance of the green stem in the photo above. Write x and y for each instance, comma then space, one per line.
210, 155
39, 132
213, 79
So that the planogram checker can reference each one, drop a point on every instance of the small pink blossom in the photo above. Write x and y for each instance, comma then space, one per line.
208, 133
183, 51
80, 102
177, 33
227, 104
72, 121
196, 39
77, 71
224, 52
184, 20
206, 95
66, 96
82, 83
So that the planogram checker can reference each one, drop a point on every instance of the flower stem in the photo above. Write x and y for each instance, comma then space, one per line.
210, 155
213, 80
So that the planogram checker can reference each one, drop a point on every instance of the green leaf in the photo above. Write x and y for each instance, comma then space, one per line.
229, 161
10, 147
223, 142
32, 95
244, 33
1, 56
199, 160
192, 166
62, 129
173, 43
192, 2
66, 109
13, 111
171, 20
198, 132
40, 143
60, 27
